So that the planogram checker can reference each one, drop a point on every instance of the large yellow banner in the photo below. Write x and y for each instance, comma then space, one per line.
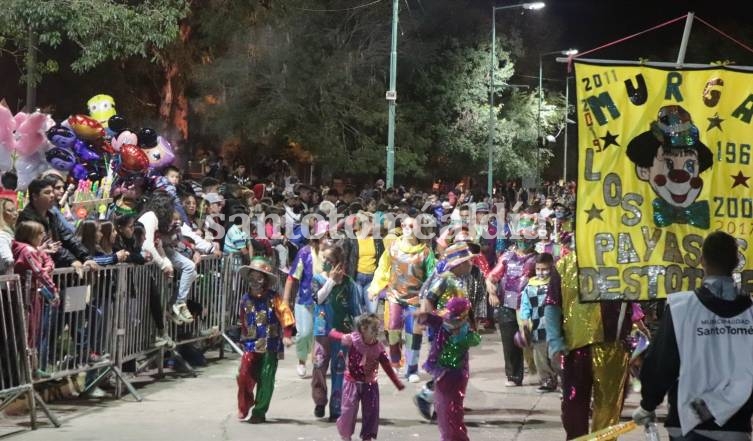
664, 160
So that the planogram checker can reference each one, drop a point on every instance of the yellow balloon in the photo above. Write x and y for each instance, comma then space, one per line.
101, 107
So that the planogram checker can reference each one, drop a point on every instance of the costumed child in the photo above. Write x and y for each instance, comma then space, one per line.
338, 304
532, 314
266, 325
364, 357
448, 364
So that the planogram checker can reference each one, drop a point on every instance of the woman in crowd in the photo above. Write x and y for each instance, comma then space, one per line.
7, 222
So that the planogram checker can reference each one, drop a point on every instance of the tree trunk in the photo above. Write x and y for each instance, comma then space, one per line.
173, 110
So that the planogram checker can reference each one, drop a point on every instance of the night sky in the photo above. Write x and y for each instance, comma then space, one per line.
587, 24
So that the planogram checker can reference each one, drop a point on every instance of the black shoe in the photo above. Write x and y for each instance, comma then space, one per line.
319, 411
257, 419
333, 418
425, 408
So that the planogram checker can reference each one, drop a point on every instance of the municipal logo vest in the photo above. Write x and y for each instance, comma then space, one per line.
716, 359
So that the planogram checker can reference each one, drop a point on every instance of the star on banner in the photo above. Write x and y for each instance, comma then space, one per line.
594, 213
609, 139
715, 121
740, 179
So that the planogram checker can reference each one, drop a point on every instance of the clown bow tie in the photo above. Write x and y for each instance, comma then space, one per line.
665, 214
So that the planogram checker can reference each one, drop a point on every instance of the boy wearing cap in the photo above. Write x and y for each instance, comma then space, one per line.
266, 327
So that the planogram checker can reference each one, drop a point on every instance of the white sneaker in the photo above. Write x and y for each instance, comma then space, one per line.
301, 369
181, 313
414, 378
96, 392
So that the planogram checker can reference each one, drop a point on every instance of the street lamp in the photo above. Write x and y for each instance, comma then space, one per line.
539, 139
492, 65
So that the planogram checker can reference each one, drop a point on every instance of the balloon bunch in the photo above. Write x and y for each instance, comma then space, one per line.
22, 144
79, 144
135, 153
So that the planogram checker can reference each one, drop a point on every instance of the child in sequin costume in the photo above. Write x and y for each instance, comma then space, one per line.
504, 285
364, 357
337, 306
448, 364
266, 325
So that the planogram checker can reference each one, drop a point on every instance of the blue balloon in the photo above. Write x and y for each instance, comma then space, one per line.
79, 172
84, 152
60, 158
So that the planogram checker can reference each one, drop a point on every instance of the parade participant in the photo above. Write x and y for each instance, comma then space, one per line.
698, 357
362, 255
584, 340
511, 275
266, 327
365, 354
448, 365
337, 305
402, 270
532, 313
305, 264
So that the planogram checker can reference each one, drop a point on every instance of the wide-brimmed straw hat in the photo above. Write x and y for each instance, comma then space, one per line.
261, 265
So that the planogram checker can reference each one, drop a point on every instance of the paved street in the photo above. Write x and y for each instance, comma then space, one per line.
203, 408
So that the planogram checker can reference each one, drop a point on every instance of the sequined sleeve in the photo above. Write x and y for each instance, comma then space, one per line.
283, 312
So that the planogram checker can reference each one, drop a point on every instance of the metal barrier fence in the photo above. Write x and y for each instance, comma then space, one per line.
108, 319
15, 357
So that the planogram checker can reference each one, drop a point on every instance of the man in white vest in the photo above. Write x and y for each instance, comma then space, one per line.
702, 356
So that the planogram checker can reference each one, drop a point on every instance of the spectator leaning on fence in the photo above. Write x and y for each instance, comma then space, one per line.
70, 251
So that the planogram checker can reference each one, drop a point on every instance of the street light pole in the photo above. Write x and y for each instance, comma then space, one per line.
492, 67
391, 98
539, 138
567, 112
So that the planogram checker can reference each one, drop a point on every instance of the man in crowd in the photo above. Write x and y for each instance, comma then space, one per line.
701, 355
66, 247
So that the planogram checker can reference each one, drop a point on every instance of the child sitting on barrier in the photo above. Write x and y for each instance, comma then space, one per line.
162, 232
266, 325
29, 257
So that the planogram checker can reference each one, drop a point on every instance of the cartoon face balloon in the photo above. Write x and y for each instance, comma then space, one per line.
86, 128
123, 138
61, 158
61, 137
161, 155
101, 108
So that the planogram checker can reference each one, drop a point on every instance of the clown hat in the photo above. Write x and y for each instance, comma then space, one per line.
262, 265
456, 254
673, 129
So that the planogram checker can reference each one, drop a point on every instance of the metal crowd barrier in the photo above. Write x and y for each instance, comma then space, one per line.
108, 319
15, 356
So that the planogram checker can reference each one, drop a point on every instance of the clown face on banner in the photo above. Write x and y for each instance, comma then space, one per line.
664, 160
670, 157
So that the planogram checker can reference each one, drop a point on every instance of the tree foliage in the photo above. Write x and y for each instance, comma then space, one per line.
100, 29
318, 79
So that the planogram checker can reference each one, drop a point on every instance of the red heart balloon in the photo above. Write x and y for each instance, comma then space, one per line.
133, 159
